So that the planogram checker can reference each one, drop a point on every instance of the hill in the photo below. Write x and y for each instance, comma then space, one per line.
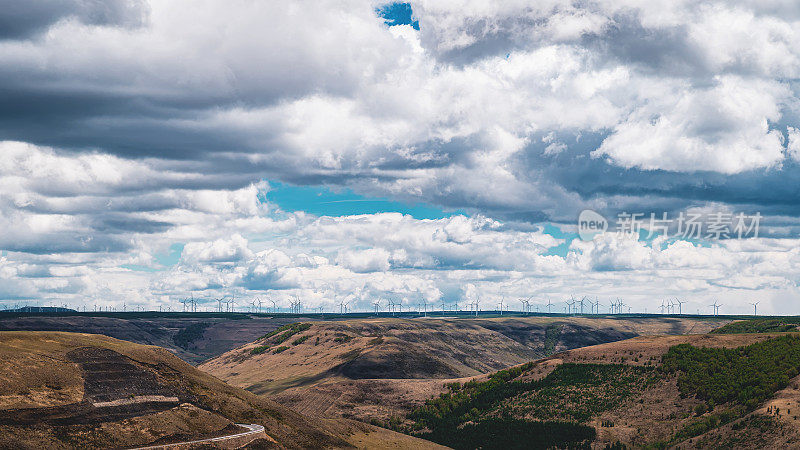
68, 390
766, 325
700, 391
193, 337
382, 367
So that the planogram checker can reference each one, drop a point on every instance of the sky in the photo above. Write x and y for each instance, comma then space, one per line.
433, 151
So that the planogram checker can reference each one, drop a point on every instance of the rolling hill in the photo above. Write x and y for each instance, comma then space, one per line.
373, 369
69, 390
699, 391
193, 337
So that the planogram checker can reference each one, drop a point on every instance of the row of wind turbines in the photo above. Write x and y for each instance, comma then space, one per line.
583, 305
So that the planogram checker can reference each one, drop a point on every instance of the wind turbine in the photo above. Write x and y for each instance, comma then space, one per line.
680, 304
755, 308
662, 306
501, 304
549, 304
715, 306
377, 305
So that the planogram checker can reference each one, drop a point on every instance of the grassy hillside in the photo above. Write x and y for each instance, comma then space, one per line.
414, 349
67, 390
378, 368
773, 325
706, 391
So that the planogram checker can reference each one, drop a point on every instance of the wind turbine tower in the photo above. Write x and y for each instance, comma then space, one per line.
680, 305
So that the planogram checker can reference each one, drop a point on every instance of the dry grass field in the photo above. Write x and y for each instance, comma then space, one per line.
383, 367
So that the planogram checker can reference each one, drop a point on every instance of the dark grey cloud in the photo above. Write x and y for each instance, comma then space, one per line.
170, 117
25, 19
52, 243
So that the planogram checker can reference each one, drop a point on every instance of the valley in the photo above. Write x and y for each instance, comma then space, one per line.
374, 369
383, 382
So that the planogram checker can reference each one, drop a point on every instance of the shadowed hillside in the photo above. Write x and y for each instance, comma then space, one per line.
67, 390
193, 337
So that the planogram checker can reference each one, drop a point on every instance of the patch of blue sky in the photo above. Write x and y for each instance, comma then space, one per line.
322, 201
164, 260
397, 14
140, 268
644, 236
556, 232
172, 257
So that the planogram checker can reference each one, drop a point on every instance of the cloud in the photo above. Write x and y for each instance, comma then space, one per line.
222, 250
724, 128
26, 19
129, 127
370, 260
793, 144
419, 115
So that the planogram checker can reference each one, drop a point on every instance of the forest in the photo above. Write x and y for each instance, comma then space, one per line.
494, 413
778, 325
746, 375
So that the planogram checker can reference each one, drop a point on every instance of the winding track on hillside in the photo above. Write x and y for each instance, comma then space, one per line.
253, 429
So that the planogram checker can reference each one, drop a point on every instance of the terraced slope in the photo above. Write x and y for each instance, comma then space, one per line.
68, 390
